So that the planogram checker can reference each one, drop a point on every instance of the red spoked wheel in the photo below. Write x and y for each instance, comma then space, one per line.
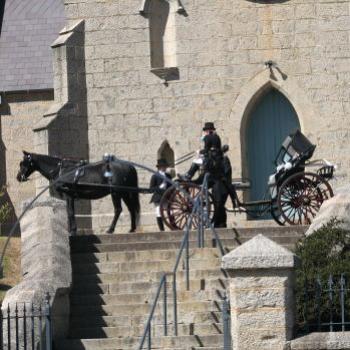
301, 196
276, 214
176, 206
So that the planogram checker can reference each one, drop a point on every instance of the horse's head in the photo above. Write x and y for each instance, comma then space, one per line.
26, 167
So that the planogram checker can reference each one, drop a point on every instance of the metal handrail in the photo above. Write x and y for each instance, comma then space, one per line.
149, 320
162, 283
203, 221
226, 320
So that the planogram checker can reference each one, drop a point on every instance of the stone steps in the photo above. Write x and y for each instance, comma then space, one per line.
157, 330
228, 244
177, 235
140, 320
132, 287
137, 297
160, 265
141, 255
115, 278
138, 308
141, 276
124, 343
142, 241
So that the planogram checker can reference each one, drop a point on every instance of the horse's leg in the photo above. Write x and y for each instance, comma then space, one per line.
133, 214
117, 203
72, 225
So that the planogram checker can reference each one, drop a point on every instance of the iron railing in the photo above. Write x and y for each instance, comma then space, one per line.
325, 306
226, 321
201, 210
26, 327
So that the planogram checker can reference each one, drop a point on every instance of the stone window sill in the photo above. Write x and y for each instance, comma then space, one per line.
167, 73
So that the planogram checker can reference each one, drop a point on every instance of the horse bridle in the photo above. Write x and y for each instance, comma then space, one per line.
31, 165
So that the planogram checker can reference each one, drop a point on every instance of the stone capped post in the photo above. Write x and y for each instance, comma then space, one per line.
261, 277
46, 266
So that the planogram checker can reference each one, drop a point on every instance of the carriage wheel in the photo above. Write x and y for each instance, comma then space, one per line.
276, 213
301, 196
176, 207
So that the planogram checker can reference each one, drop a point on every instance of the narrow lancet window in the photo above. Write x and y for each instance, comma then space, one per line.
162, 33
166, 152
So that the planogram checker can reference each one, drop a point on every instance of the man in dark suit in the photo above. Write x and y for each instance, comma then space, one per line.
159, 185
213, 162
210, 152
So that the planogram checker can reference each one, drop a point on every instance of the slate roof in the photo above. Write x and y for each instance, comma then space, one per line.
28, 29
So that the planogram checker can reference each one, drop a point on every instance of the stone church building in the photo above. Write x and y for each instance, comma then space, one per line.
138, 79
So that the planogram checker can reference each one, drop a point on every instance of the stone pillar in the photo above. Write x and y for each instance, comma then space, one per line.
63, 130
261, 281
46, 264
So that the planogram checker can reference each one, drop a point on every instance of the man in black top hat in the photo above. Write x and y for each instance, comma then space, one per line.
159, 185
212, 146
213, 163
211, 138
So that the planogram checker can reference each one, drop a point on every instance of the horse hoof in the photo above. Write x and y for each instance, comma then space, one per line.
132, 230
109, 231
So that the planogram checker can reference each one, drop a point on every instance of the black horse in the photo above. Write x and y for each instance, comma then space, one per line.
82, 180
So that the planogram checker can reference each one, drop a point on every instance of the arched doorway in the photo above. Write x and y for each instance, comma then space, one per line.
268, 123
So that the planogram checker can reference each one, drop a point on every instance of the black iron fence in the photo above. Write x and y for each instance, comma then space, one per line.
26, 326
324, 305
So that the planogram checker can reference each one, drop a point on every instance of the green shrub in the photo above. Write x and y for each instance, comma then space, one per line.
324, 254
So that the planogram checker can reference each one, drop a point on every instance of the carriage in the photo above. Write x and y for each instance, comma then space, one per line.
295, 191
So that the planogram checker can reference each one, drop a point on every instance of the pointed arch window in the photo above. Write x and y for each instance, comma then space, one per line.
166, 152
162, 28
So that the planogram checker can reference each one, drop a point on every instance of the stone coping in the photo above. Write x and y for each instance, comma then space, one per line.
322, 341
259, 253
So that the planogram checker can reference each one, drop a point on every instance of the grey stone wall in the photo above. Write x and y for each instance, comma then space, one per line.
18, 113
321, 341
220, 48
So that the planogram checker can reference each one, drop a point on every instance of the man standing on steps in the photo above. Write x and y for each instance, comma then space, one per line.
159, 185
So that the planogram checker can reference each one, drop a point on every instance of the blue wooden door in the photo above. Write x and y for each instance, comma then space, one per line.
270, 121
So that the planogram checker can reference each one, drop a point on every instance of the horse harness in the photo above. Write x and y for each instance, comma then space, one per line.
80, 171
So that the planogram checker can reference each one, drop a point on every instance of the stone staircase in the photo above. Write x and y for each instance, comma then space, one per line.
115, 278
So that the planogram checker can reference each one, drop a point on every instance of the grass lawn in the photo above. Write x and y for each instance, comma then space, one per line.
12, 264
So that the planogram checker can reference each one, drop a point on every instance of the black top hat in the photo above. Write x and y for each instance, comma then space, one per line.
162, 163
209, 126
